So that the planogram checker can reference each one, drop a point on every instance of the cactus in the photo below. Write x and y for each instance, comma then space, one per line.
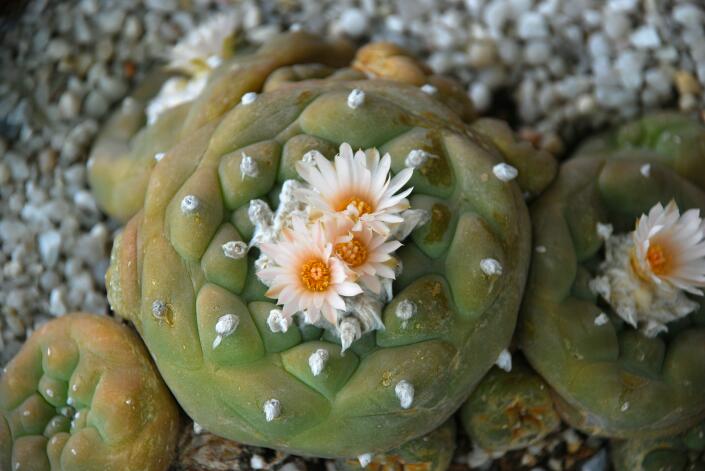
125, 151
82, 394
510, 410
610, 379
431, 452
664, 138
180, 272
684, 452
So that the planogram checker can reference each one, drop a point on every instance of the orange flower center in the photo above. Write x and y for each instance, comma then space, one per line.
354, 253
363, 207
658, 259
315, 275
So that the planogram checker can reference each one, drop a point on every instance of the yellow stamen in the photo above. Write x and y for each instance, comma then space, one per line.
354, 253
315, 275
658, 259
363, 207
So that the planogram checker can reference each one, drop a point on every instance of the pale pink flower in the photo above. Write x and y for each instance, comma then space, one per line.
358, 185
670, 248
365, 252
304, 275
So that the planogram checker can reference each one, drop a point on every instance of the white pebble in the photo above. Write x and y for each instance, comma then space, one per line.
356, 98
429, 89
248, 98
645, 37
49, 246
406, 309
505, 172
602, 319
625, 406
480, 95
235, 249
491, 266
365, 459
190, 204
504, 360
159, 156
57, 302
354, 22
645, 170
248, 166
405, 393
532, 25
272, 409
257, 462
540, 249
317, 361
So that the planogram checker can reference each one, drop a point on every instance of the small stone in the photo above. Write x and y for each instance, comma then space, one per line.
356, 98
645, 37
491, 267
69, 105
540, 249
190, 204
197, 429
248, 98
235, 249
598, 462
504, 360
537, 52
272, 409
602, 319
505, 172
354, 22
317, 361
57, 302
686, 83
96, 104
110, 22
645, 170
58, 49
406, 309
429, 89
365, 459
257, 462
532, 25
49, 246
405, 393
481, 96
159, 156
625, 406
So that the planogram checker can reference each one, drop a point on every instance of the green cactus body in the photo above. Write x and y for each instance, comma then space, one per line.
431, 452
169, 276
124, 153
510, 410
82, 395
660, 139
609, 379
684, 452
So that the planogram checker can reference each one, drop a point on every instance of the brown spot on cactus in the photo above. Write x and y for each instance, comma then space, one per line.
82, 393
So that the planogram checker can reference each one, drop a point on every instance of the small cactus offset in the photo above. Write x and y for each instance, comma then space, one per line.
614, 317
188, 270
189, 95
684, 452
509, 410
83, 395
432, 452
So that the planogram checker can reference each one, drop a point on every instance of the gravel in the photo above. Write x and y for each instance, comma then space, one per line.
558, 67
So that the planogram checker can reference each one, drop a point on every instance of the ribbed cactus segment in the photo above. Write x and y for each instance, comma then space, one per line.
82, 394
684, 452
126, 150
509, 410
431, 452
609, 378
400, 382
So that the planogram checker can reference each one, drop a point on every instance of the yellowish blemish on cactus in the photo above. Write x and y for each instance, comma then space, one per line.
440, 219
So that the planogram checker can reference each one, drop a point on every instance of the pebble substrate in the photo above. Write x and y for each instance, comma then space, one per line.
564, 66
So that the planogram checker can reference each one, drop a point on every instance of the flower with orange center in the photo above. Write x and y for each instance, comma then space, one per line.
364, 252
358, 185
304, 275
670, 249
